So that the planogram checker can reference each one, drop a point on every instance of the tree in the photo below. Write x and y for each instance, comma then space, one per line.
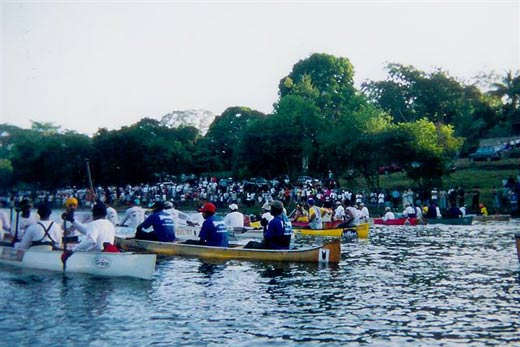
324, 79
359, 144
142, 152
508, 89
223, 136
6, 173
428, 153
409, 94
295, 127
46, 128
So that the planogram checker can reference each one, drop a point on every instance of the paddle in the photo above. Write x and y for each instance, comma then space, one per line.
16, 227
11, 204
64, 245
90, 185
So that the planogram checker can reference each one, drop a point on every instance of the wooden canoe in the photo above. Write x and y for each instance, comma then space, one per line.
328, 253
361, 231
94, 263
326, 225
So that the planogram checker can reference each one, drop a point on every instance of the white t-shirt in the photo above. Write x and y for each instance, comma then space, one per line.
234, 219
112, 216
4, 222
388, 216
24, 223
364, 214
408, 211
267, 216
97, 232
134, 216
356, 213
339, 213
36, 232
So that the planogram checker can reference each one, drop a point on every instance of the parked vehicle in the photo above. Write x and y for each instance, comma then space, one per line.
304, 180
386, 169
486, 153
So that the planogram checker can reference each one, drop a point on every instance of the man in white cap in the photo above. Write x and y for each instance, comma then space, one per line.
234, 219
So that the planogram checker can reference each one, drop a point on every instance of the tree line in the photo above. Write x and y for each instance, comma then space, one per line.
420, 121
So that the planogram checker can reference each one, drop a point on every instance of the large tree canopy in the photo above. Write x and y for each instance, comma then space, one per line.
409, 94
320, 122
326, 80
224, 134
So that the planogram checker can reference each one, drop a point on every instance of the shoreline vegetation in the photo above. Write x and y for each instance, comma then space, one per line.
469, 175
414, 120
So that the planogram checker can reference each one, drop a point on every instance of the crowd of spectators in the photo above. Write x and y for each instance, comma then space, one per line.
192, 193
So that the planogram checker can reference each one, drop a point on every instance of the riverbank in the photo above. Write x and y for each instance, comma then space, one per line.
482, 176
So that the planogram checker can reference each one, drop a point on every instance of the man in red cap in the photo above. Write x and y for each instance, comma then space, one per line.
213, 231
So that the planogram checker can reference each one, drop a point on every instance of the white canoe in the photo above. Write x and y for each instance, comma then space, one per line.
94, 263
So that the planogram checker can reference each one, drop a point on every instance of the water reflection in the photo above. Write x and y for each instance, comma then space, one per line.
208, 268
408, 286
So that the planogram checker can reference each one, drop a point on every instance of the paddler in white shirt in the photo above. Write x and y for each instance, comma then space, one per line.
234, 219
134, 215
100, 233
26, 219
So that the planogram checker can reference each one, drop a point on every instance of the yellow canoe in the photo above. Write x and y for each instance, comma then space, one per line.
328, 253
361, 230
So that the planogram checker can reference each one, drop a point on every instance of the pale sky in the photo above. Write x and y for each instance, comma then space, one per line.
84, 65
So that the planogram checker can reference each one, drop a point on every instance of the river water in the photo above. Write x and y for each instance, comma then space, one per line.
404, 286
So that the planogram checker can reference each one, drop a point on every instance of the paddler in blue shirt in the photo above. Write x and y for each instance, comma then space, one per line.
162, 223
279, 231
213, 231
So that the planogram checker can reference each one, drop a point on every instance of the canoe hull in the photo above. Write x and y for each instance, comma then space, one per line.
450, 221
361, 230
94, 263
397, 221
492, 218
416, 221
326, 225
182, 232
328, 253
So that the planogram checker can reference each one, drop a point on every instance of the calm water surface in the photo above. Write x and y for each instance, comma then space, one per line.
405, 286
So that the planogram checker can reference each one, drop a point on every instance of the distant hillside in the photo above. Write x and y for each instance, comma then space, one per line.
200, 119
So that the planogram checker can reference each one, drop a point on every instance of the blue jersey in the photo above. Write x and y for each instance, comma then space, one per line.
278, 234
163, 226
214, 232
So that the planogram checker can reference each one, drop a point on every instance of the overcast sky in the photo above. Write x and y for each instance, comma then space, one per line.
93, 64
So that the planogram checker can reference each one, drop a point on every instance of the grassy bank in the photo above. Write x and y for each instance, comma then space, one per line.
469, 175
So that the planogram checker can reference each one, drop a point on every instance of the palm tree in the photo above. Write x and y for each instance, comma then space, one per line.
509, 88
